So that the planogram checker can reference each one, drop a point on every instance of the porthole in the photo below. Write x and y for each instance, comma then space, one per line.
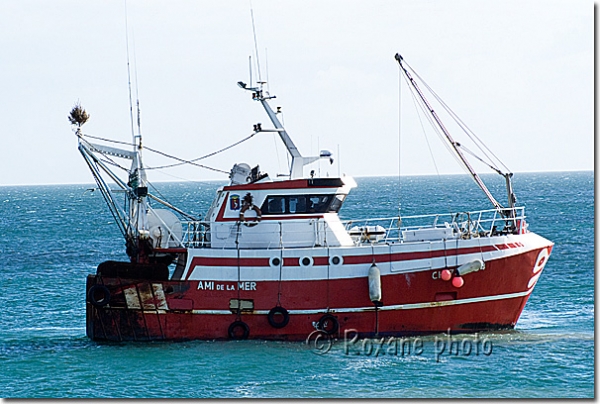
306, 261
336, 260
275, 261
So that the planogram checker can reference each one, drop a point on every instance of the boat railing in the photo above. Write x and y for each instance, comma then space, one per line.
464, 225
269, 234
196, 234
283, 234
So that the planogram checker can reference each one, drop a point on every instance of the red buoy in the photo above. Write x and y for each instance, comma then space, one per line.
458, 282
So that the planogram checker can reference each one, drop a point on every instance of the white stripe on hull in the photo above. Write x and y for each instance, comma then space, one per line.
409, 306
528, 242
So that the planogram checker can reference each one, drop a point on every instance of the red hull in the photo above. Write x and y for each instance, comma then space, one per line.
413, 303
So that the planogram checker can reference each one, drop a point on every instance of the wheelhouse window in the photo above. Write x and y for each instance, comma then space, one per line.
297, 204
275, 204
336, 203
302, 204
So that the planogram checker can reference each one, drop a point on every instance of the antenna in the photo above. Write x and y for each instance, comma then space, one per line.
319, 148
138, 223
250, 69
255, 43
137, 139
267, 68
338, 160
129, 74
136, 84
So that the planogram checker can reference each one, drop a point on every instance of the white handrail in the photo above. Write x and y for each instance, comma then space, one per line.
482, 223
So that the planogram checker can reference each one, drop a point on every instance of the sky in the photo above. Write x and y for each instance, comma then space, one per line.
520, 74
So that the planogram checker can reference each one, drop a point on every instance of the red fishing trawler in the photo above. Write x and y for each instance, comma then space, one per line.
272, 260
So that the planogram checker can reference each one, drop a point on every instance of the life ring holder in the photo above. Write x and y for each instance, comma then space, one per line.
232, 331
101, 291
328, 324
251, 221
273, 315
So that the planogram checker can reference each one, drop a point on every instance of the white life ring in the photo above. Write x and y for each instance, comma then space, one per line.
251, 221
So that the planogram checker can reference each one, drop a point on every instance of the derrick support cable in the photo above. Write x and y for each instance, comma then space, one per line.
451, 141
181, 161
106, 194
419, 103
476, 140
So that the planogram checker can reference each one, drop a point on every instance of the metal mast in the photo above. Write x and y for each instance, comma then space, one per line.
137, 230
298, 161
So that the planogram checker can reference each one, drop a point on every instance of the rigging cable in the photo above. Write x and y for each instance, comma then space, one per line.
455, 145
164, 201
186, 161
480, 159
424, 132
105, 159
182, 161
108, 140
476, 140
399, 145
416, 105
202, 157
111, 162
419, 102
105, 192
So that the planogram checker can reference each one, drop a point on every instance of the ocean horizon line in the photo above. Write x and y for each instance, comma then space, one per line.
361, 176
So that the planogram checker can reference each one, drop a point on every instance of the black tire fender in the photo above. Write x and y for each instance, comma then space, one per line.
98, 295
273, 315
328, 324
233, 330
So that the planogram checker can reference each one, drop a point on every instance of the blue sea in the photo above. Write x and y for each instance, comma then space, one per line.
51, 237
